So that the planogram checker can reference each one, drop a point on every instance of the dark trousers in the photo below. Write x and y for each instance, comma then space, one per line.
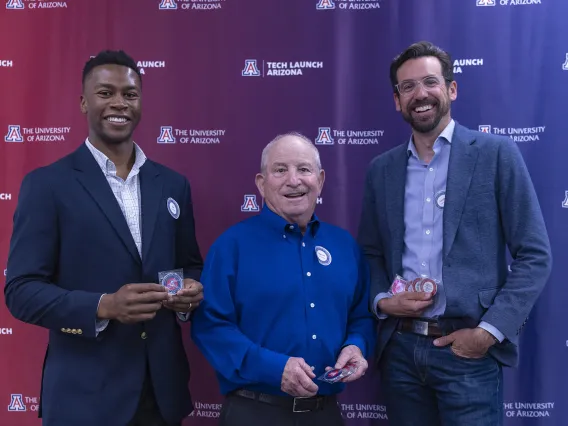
430, 386
148, 412
239, 411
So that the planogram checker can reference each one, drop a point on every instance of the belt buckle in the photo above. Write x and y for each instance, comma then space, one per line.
420, 327
294, 406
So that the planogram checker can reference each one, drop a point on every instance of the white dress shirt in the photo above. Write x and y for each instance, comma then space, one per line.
128, 196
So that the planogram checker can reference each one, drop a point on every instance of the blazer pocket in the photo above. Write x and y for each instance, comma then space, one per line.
487, 296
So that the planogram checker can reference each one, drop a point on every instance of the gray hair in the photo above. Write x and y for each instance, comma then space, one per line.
305, 139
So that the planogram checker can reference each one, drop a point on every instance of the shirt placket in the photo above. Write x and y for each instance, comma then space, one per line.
308, 271
428, 217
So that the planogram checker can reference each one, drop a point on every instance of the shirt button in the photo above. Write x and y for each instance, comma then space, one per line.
291, 227
314, 336
427, 232
303, 244
428, 199
309, 274
423, 263
283, 236
312, 367
431, 169
312, 305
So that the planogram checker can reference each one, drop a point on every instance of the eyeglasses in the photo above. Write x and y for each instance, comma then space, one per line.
409, 86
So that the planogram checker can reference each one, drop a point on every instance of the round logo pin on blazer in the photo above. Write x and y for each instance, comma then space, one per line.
173, 208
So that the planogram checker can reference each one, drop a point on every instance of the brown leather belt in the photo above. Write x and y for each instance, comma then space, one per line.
296, 405
424, 328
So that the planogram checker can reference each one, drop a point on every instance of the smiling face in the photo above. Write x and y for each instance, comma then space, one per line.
292, 180
112, 102
423, 96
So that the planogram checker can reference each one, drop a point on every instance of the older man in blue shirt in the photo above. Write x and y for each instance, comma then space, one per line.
446, 205
285, 300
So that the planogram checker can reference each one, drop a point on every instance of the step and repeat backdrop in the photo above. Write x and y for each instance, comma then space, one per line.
221, 78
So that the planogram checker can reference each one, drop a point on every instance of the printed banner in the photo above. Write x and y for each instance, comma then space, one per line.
223, 77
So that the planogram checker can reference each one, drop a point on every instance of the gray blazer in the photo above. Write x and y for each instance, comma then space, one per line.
490, 205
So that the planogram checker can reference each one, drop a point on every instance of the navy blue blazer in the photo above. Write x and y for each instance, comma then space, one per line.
491, 206
70, 244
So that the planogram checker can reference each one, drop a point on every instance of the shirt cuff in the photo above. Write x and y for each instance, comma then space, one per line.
100, 325
264, 366
379, 297
183, 316
357, 341
492, 330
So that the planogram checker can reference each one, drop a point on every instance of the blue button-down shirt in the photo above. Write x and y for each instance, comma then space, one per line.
271, 293
423, 221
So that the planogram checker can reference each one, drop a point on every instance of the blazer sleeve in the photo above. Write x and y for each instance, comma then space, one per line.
188, 254
370, 241
187, 250
31, 294
526, 236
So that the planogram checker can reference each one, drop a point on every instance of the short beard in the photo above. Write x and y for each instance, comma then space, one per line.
443, 109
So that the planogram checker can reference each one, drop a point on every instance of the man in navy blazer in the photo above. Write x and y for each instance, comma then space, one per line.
91, 234
440, 211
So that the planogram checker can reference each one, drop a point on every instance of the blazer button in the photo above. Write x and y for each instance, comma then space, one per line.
144, 335
68, 330
74, 331
63, 330
79, 331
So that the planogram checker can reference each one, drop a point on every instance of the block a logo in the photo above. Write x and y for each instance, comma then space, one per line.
324, 136
14, 134
484, 128
249, 204
15, 4
565, 202
250, 69
166, 135
485, 3
168, 5
17, 403
565, 64
325, 5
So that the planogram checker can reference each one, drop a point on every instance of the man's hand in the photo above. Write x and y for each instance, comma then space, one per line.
297, 378
351, 355
468, 342
406, 304
187, 299
132, 303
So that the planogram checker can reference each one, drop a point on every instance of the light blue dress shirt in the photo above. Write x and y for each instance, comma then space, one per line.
423, 221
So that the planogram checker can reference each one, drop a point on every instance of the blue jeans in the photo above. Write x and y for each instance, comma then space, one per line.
424, 385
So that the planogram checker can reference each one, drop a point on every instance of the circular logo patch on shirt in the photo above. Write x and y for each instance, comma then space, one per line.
440, 199
173, 208
324, 257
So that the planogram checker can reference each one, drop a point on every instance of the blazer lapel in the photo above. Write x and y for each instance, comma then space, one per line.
394, 180
93, 180
463, 156
151, 190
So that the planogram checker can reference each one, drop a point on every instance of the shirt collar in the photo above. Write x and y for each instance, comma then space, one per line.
108, 167
281, 225
446, 134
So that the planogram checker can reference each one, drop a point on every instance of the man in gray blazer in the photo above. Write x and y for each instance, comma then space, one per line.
445, 206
